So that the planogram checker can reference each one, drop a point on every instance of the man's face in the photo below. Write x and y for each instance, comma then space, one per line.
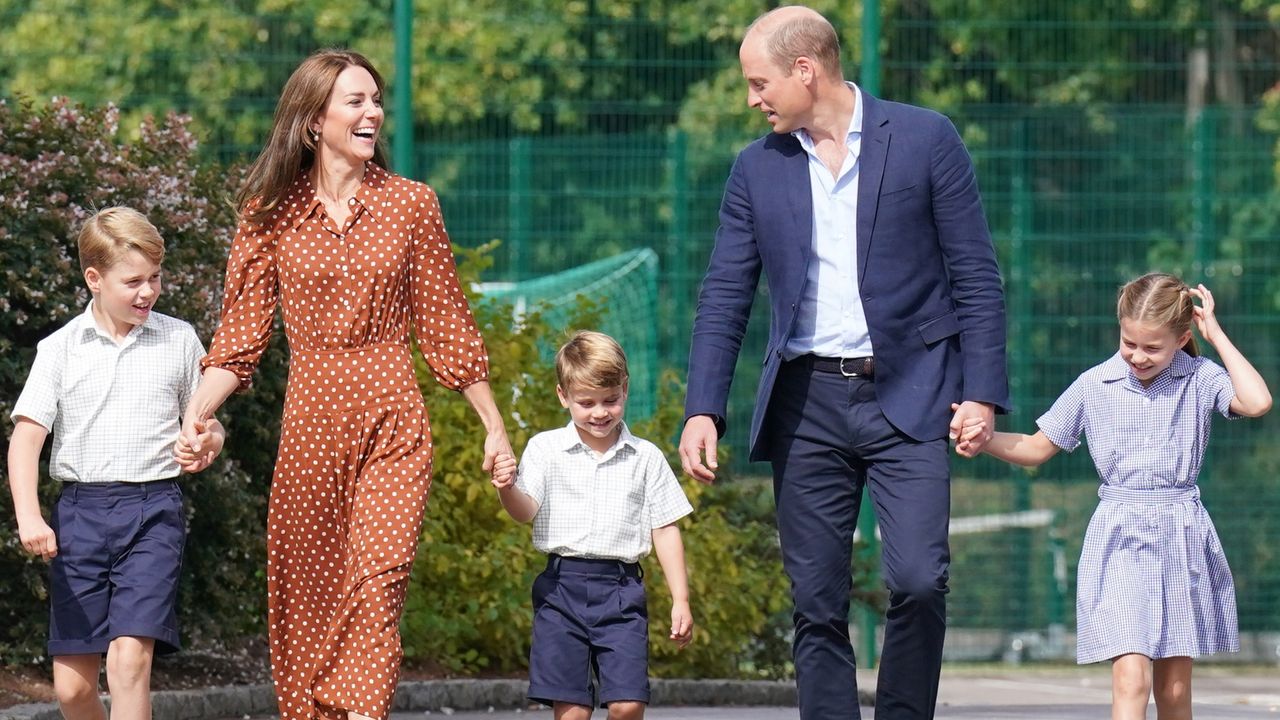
781, 95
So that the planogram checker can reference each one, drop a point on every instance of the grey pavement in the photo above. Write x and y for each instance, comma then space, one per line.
1220, 692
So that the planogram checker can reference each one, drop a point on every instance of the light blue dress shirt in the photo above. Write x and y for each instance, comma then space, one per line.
830, 320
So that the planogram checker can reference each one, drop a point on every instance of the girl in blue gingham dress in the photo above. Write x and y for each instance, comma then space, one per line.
1153, 588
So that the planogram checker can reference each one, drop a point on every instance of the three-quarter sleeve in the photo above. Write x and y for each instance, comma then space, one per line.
248, 304
443, 324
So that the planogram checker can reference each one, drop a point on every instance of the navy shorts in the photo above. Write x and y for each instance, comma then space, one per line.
589, 616
116, 571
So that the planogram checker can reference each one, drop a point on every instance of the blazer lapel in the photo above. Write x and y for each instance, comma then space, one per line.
799, 198
875, 148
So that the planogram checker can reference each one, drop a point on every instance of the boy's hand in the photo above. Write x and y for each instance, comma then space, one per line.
972, 428
681, 624
504, 471
38, 538
198, 454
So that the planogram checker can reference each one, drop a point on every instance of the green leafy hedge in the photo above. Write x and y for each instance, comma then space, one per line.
59, 163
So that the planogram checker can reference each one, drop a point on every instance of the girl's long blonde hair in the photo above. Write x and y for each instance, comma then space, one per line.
1162, 300
290, 149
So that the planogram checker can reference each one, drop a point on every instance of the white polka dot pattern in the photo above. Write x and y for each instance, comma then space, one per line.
353, 472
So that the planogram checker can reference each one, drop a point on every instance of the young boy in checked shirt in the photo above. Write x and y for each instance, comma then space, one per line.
600, 498
110, 386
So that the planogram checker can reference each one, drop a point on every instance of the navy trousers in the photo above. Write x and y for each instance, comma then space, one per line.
828, 440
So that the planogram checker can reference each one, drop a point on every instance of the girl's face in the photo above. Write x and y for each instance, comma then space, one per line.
1148, 349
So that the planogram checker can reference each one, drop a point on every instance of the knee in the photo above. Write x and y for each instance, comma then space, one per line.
128, 662
917, 586
1173, 693
74, 693
1131, 682
626, 710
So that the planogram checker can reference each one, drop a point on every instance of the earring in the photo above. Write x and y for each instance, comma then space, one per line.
315, 136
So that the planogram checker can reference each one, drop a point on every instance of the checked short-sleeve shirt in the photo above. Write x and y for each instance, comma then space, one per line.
604, 506
114, 410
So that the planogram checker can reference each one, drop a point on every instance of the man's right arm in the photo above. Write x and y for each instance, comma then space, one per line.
724, 305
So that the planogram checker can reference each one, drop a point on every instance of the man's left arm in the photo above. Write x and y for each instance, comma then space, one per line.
976, 289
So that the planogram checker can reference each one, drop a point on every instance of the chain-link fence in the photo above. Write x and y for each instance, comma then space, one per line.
1110, 139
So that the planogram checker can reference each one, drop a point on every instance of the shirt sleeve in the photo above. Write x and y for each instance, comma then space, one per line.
39, 399
251, 293
442, 320
1216, 390
1065, 420
531, 477
665, 500
193, 351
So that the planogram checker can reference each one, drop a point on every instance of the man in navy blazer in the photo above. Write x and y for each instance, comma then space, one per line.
887, 335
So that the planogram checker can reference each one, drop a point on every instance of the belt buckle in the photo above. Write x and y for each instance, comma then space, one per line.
847, 373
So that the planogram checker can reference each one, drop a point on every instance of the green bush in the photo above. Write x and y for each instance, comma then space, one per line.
58, 163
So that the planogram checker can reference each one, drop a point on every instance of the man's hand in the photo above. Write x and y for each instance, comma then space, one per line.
696, 442
971, 414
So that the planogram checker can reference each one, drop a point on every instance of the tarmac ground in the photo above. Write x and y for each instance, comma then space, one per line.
994, 693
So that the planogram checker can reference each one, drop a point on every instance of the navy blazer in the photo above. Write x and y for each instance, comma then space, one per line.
927, 272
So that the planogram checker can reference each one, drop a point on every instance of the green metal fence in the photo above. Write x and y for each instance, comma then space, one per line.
1110, 138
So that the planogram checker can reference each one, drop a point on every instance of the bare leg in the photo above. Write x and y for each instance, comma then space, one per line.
626, 710
1130, 687
569, 711
75, 683
351, 715
1173, 688
129, 677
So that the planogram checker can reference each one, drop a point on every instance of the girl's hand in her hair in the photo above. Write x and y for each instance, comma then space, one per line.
1203, 315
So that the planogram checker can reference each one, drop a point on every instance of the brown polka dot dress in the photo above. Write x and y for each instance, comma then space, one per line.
353, 471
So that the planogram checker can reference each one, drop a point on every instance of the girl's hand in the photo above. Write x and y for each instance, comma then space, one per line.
1202, 314
504, 471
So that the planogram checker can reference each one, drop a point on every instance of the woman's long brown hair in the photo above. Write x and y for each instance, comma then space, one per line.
290, 149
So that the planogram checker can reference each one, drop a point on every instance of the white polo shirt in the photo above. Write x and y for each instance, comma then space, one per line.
114, 410
604, 506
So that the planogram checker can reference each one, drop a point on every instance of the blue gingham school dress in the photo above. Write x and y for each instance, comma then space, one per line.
1153, 579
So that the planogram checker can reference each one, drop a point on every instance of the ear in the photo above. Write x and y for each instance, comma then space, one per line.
806, 69
564, 401
93, 279
1186, 336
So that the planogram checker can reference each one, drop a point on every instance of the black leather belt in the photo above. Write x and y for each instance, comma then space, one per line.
849, 367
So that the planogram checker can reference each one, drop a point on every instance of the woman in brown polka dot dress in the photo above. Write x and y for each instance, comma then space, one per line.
353, 255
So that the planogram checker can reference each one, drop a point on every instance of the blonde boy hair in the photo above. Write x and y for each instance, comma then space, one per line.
112, 232
591, 360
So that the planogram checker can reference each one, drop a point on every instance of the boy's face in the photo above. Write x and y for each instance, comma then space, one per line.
124, 293
596, 412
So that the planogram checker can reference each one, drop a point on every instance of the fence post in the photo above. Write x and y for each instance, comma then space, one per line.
402, 141
1019, 349
519, 206
870, 81
674, 266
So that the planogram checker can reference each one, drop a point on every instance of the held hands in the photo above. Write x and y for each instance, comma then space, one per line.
198, 444
503, 474
496, 445
37, 538
681, 624
972, 426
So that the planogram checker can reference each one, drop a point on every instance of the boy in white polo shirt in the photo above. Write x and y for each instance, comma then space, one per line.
600, 499
110, 385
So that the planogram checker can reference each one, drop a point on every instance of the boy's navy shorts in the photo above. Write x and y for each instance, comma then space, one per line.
116, 571
589, 615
